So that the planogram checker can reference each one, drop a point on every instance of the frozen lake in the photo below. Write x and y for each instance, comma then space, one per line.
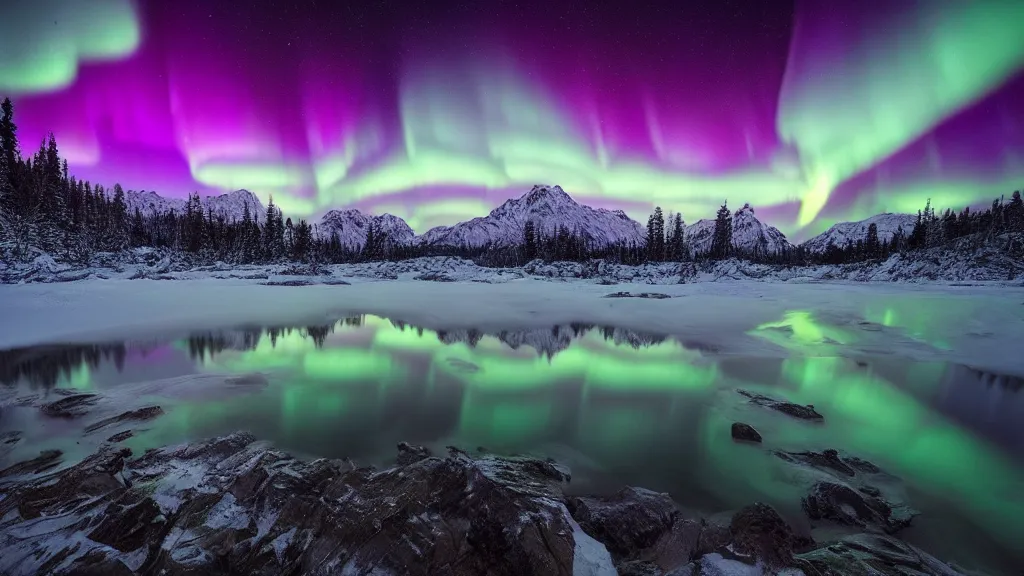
923, 382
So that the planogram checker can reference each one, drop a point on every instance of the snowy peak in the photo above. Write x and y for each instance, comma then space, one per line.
549, 208
749, 235
231, 205
845, 232
352, 226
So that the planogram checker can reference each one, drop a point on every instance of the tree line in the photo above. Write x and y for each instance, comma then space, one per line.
44, 209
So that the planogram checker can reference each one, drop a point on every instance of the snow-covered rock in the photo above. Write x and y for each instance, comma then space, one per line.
844, 232
549, 208
749, 235
231, 205
351, 225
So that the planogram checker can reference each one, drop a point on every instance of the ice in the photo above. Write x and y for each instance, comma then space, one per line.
590, 557
227, 514
280, 544
716, 565
977, 325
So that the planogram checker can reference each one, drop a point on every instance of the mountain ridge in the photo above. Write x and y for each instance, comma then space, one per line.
230, 205
549, 208
840, 233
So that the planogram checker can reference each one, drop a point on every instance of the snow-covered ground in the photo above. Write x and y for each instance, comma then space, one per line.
978, 325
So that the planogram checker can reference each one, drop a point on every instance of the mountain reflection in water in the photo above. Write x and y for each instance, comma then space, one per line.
618, 406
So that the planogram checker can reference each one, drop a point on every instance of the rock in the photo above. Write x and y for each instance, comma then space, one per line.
8, 440
408, 454
142, 414
644, 529
631, 520
745, 432
336, 283
121, 436
231, 505
434, 277
831, 461
648, 295
862, 554
287, 283
758, 531
70, 406
842, 504
46, 460
795, 410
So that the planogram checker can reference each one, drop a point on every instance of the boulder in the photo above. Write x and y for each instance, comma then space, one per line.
795, 410
745, 432
231, 505
70, 406
842, 504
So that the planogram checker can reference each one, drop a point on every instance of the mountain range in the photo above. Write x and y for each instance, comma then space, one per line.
549, 208
231, 205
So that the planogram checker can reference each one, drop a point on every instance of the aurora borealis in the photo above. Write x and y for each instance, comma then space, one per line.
812, 112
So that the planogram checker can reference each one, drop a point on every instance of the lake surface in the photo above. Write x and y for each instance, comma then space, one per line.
619, 407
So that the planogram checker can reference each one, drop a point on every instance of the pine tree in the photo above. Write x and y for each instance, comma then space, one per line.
659, 235
678, 247
651, 231
721, 240
529, 241
9, 137
872, 248
1015, 211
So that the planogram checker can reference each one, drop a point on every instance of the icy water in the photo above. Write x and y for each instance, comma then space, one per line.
619, 407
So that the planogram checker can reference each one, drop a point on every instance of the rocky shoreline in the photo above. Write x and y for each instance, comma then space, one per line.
234, 505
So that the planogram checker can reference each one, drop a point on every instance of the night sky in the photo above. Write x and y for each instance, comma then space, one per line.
813, 112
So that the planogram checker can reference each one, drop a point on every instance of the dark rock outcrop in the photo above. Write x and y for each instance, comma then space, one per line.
633, 519
69, 407
647, 295
139, 415
795, 410
831, 461
233, 506
745, 432
46, 460
843, 504
288, 283
871, 554
121, 436
434, 277
409, 454
759, 532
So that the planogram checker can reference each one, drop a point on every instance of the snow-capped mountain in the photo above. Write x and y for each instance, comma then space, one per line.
352, 227
844, 232
231, 205
549, 208
748, 234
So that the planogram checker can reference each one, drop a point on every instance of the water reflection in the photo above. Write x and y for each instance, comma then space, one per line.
622, 407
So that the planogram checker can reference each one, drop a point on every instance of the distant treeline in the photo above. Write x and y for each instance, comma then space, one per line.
45, 209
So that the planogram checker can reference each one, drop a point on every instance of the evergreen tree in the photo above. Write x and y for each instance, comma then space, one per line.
872, 248
721, 240
9, 137
678, 249
529, 241
651, 231
659, 235
302, 241
1015, 212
